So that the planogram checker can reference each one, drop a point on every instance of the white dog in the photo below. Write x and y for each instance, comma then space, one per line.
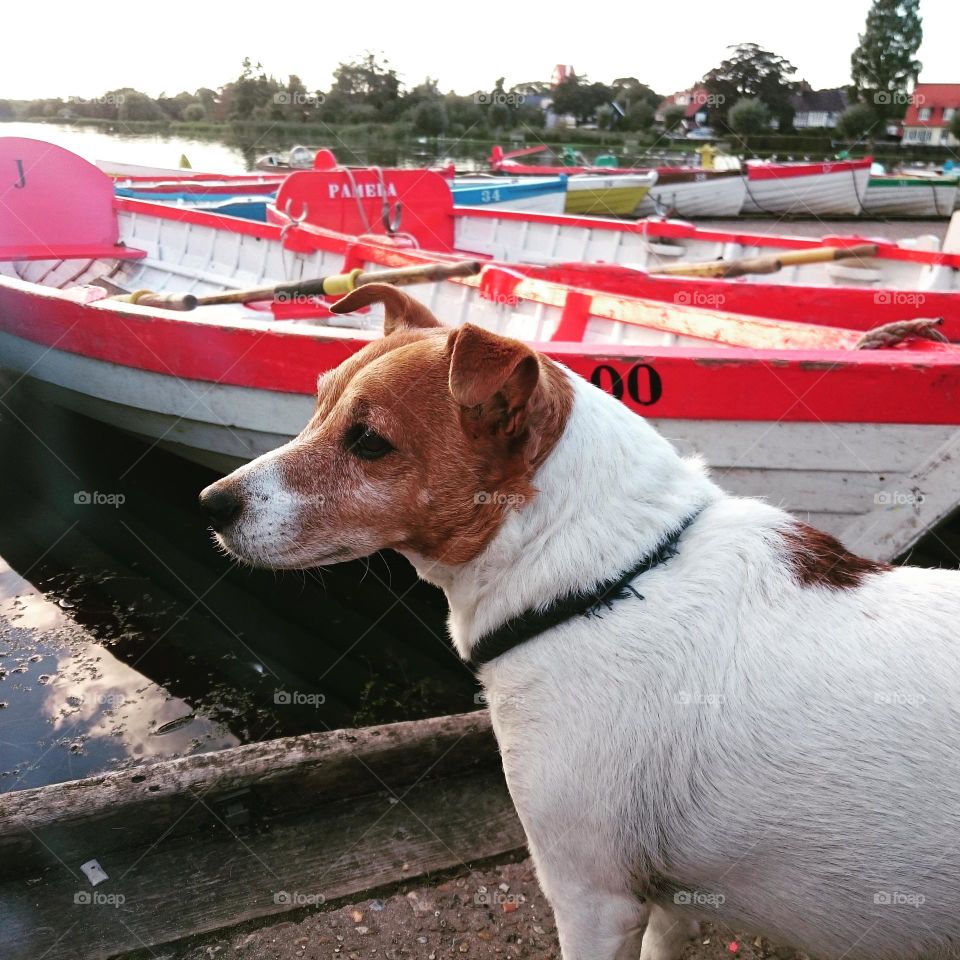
706, 709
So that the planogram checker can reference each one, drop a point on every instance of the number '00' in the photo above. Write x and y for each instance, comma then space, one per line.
643, 383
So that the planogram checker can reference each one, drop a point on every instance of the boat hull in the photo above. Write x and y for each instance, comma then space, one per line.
616, 196
851, 479
223, 385
709, 197
910, 197
790, 192
529, 194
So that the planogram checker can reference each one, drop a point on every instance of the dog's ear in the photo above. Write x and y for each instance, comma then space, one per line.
492, 378
402, 311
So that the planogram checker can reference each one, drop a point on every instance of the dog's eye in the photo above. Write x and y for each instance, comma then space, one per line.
367, 443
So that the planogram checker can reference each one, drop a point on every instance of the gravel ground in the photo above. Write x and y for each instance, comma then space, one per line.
493, 912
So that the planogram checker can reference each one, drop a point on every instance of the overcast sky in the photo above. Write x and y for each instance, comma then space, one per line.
71, 48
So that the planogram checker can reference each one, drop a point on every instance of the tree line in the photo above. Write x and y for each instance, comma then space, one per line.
747, 93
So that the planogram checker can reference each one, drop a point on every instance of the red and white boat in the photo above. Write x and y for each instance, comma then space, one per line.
861, 442
902, 281
833, 188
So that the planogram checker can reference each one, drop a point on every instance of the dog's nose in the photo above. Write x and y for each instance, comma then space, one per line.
220, 505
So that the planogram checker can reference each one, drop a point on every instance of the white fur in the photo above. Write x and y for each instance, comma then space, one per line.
734, 746
271, 524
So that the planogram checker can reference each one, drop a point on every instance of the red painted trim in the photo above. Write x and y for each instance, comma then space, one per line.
227, 188
707, 383
681, 230
760, 170
78, 252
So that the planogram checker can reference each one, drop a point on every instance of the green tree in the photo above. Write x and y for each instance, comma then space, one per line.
748, 115
884, 63
194, 113
673, 116
577, 96
639, 116
955, 125
858, 120
628, 91
430, 118
369, 82
753, 73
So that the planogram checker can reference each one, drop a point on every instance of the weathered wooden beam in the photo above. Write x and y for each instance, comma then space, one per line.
337, 849
73, 822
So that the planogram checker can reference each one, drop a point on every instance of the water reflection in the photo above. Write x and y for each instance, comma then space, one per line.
71, 708
177, 651
236, 148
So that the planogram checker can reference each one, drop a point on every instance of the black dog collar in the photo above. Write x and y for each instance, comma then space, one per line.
532, 622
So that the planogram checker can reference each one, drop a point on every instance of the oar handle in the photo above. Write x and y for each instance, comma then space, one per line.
335, 285
766, 264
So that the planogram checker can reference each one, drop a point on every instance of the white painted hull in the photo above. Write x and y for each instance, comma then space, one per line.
933, 200
836, 194
713, 197
528, 194
545, 203
866, 483
595, 242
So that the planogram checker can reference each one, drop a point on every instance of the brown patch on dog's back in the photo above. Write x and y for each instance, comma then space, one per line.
819, 560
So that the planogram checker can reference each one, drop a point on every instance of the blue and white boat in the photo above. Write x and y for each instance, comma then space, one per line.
531, 194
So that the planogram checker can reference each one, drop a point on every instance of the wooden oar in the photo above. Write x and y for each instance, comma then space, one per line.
771, 264
341, 283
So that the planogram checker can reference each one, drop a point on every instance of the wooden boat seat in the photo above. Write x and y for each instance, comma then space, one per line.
56, 206
74, 252
845, 273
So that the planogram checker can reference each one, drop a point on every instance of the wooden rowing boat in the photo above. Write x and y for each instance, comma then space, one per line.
528, 194
781, 408
834, 188
906, 196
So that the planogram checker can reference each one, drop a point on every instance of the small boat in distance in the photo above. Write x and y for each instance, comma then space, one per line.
833, 188
532, 194
901, 195
297, 158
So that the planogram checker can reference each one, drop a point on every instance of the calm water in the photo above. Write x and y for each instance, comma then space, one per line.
221, 156
125, 636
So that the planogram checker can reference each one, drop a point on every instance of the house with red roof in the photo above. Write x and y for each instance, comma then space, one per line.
695, 102
932, 109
